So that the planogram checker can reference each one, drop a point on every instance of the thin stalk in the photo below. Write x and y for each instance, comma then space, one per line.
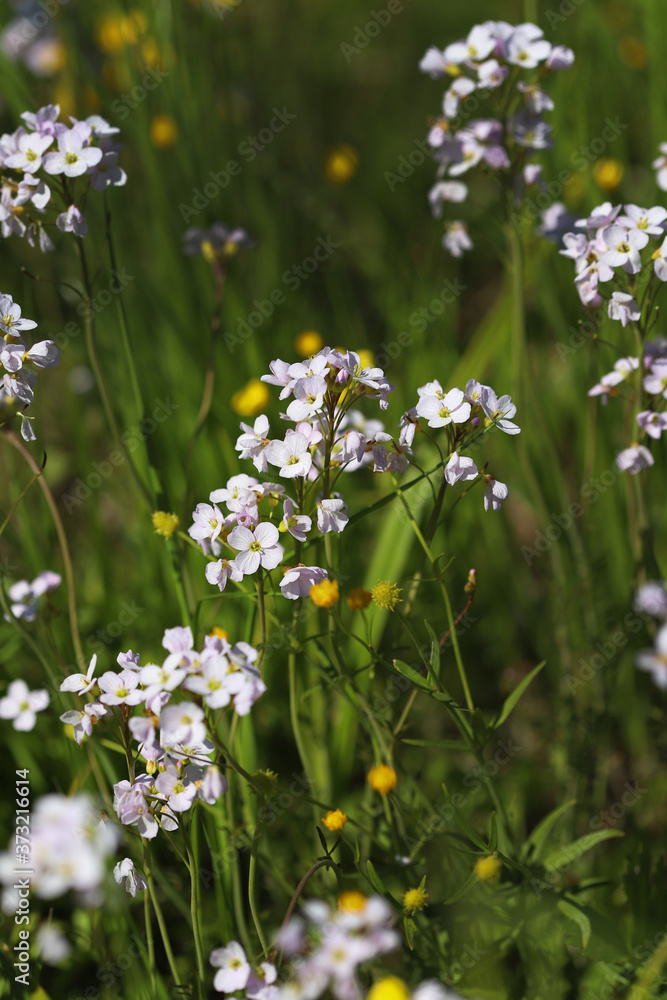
150, 944
62, 541
164, 933
252, 886
194, 911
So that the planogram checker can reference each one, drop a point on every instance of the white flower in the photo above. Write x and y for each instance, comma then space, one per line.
624, 308
72, 158
459, 467
125, 873
258, 547
21, 704
292, 455
624, 247
233, 968
331, 515
634, 459
499, 410
494, 494
655, 660
440, 409
81, 683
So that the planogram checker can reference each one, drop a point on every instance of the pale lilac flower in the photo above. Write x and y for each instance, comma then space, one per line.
81, 683
623, 369
218, 573
624, 308
182, 724
208, 522
435, 64
526, 47
256, 548
237, 494
556, 221
107, 172
659, 262
530, 131
444, 191
82, 722
279, 376
601, 216
655, 660
660, 165
655, 382
634, 459
624, 247
491, 74
180, 793
52, 945
494, 494
651, 598
459, 467
233, 968
73, 157
651, 220
479, 44
456, 239
499, 410
653, 423
462, 87
177, 640
259, 985
72, 221
165, 678
298, 525
20, 704
252, 443
132, 807
560, 57
126, 874
215, 684
212, 786
298, 580
408, 427
440, 408
31, 148
308, 398
11, 320
537, 100
121, 688
331, 515
44, 120
292, 455
222, 238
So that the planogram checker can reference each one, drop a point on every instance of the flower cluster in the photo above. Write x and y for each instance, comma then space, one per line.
19, 363
329, 437
172, 735
24, 595
46, 149
235, 973
650, 388
651, 599
489, 63
68, 848
466, 415
609, 248
328, 946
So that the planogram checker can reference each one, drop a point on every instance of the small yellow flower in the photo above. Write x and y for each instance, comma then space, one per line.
471, 585
488, 868
385, 595
415, 899
352, 901
165, 524
324, 593
218, 633
608, 174
358, 598
382, 778
164, 131
251, 399
341, 164
388, 988
308, 343
334, 820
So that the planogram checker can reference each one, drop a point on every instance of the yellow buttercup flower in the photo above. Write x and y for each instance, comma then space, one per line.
251, 399
165, 524
335, 819
415, 899
487, 869
340, 164
308, 343
382, 778
388, 988
324, 593
218, 633
352, 901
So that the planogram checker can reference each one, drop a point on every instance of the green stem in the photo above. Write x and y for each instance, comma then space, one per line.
194, 911
159, 915
252, 885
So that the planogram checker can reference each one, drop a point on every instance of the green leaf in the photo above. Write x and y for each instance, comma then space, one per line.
435, 649
573, 912
516, 694
466, 828
463, 889
375, 879
413, 675
410, 928
538, 837
442, 744
572, 852
493, 835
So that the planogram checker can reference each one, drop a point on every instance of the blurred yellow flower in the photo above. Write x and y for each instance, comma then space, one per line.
358, 598
366, 358
165, 524
340, 164
335, 819
632, 52
49, 57
308, 343
382, 778
218, 633
488, 868
251, 399
608, 174
164, 131
388, 988
324, 593
116, 31
352, 901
